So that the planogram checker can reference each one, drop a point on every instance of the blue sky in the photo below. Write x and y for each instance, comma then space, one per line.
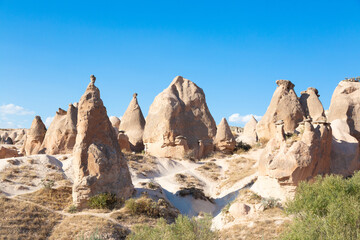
234, 50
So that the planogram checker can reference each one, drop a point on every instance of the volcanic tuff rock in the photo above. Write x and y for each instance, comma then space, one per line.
8, 152
133, 124
224, 140
179, 122
34, 137
123, 141
17, 135
285, 106
311, 104
293, 161
61, 135
115, 122
345, 105
99, 166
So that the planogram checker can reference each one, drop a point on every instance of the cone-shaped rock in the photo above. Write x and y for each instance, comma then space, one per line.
285, 106
345, 105
61, 135
179, 122
224, 139
34, 137
311, 104
249, 134
133, 124
99, 166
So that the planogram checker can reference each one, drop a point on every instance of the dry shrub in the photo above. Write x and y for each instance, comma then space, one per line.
57, 199
86, 226
21, 220
20, 175
210, 169
239, 168
142, 164
188, 180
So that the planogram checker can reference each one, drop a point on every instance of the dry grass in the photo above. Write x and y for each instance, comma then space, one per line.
239, 168
19, 174
247, 196
267, 225
210, 169
142, 164
85, 226
188, 181
57, 199
22, 220
123, 216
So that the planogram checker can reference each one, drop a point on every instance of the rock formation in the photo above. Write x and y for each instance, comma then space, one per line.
345, 105
179, 122
285, 106
115, 122
34, 137
300, 157
133, 124
249, 134
17, 136
61, 135
311, 104
224, 140
98, 164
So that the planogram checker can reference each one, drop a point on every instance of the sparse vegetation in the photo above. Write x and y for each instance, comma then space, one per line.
72, 209
241, 147
47, 183
210, 169
268, 203
328, 208
183, 228
238, 169
104, 201
143, 206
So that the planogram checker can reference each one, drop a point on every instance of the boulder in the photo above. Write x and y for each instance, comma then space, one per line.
345, 156
238, 209
61, 135
224, 140
98, 164
8, 152
290, 161
133, 124
123, 141
345, 105
285, 106
179, 123
249, 134
311, 104
34, 137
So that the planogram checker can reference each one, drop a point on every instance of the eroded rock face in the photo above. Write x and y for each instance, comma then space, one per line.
249, 134
61, 135
345, 105
297, 160
133, 124
179, 122
285, 106
34, 137
345, 156
224, 140
123, 141
311, 104
99, 166
17, 136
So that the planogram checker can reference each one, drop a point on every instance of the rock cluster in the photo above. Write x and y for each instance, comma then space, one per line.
179, 123
311, 104
61, 135
98, 165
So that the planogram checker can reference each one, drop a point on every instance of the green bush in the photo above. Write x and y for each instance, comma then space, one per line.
242, 147
184, 228
271, 202
329, 208
104, 201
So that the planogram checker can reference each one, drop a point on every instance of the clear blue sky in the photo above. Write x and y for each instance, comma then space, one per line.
234, 50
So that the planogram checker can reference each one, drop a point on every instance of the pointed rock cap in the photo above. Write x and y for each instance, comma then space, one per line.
92, 79
223, 132
286, 83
